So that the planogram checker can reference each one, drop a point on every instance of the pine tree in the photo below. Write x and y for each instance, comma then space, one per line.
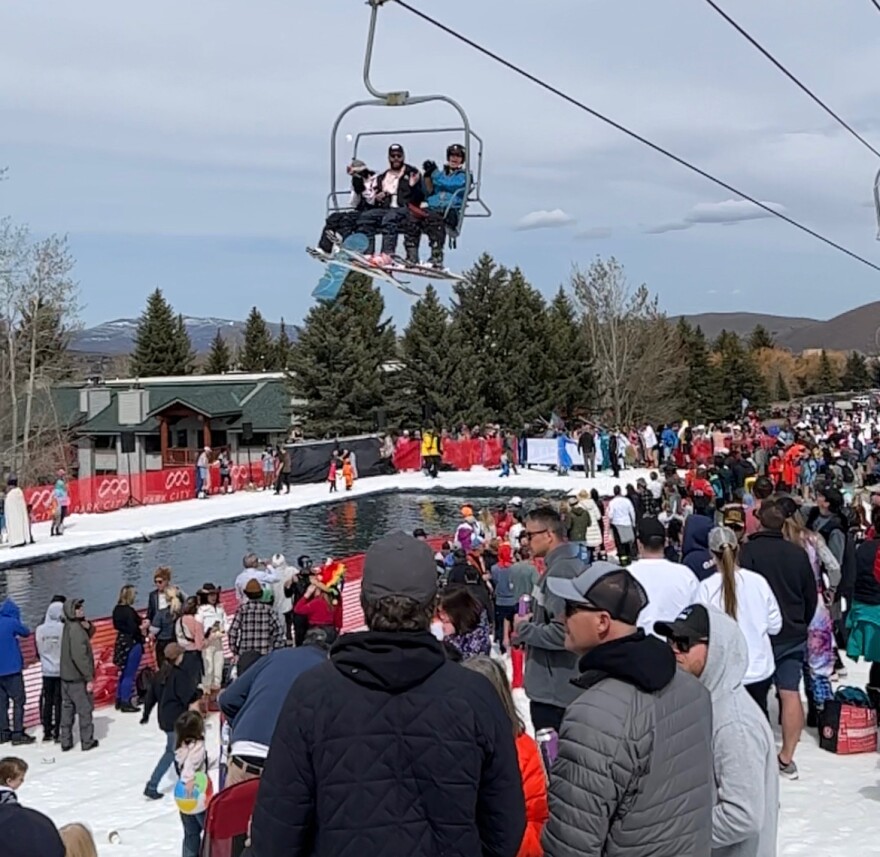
162, 346
701, 391
856, 375
422, 384
760, 338
283, 348
259, 352
571, 387
219, 357
45, 321
738, 375
340, 362
827, 381
783, 394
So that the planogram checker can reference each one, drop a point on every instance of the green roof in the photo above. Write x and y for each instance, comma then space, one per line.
264, 403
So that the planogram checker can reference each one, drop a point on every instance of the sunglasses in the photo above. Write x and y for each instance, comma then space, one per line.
572, 608
682, 644
530, 534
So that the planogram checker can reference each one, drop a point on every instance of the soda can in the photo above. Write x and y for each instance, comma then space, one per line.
548, 743
525, 605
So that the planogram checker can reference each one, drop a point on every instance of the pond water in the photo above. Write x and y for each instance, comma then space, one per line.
214, 553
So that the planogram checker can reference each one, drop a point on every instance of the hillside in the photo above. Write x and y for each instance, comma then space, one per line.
743, 323
117, 336
857, 329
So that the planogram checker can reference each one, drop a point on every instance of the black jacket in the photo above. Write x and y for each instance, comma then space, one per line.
390, 749
406, 193
173, 692
867, 589
786, 567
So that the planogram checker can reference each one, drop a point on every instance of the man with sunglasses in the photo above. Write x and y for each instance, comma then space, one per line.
709, 645
634, 772
550, 667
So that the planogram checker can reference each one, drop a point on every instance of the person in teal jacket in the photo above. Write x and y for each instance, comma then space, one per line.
444, 192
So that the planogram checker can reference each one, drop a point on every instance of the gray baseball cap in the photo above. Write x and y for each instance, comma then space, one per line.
400, 565
603, 586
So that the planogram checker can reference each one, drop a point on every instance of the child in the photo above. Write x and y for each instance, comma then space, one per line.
48, 637
331, 475
190, 757
347, 473
55, 510
505, 465
12, 772
78, 841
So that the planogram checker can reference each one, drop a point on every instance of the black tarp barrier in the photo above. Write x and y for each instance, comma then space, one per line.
310, 460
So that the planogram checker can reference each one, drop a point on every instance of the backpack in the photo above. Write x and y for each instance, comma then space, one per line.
847, 474
143, 681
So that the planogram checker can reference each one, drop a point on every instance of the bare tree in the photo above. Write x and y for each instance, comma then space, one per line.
48, 302
14, 252
637, 364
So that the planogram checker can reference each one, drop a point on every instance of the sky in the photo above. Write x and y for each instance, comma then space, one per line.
187, 145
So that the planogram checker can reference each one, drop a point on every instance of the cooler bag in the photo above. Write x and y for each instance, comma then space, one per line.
846, 727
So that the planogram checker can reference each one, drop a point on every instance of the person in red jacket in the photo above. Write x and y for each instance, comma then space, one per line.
531, 768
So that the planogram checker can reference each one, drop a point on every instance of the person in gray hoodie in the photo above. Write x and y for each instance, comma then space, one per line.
77, 675
48, 638
710, 645
550, 667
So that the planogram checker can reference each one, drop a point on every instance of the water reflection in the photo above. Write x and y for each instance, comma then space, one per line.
214, 553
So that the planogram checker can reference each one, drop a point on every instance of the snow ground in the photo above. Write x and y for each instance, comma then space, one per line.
88, 532
831, 811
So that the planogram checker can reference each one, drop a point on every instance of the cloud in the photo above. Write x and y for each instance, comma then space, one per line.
594, 234
725, 213
543, 219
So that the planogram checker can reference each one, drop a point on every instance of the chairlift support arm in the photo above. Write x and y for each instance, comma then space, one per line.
877, 201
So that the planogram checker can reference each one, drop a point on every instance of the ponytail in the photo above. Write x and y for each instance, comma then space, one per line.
726, 561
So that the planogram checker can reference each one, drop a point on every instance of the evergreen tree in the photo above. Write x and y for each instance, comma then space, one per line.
45, 321
421, 386
219, 357
738, 375
760, 338
259, 352
571, 387
856, 375
162, 346
340, 362
283, 349
701, 384
783, 394
827, 382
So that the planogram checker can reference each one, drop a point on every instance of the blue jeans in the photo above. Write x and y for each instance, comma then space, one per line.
193, 825
164, 763
125, 688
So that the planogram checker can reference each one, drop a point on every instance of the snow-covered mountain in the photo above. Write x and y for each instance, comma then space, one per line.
117, 336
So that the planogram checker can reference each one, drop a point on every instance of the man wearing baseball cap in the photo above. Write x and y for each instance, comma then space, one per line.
396, 188
410, 753
634, 770
709, 645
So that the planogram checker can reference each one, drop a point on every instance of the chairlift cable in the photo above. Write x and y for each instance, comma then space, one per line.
632, 134
792, 77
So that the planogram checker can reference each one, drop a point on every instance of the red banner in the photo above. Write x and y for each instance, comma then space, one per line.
457, 454
108, 493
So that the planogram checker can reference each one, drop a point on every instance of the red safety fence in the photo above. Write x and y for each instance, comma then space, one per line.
108, 493
457, 454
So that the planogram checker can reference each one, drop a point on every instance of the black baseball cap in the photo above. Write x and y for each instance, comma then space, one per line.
400, 565
604, 586
650, 529
692, 625
395, 149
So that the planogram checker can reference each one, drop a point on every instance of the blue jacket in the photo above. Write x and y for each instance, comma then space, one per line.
253, 702
669, 438
448, 190
11, 629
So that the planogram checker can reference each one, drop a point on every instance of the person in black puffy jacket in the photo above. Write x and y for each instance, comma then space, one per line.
409, 752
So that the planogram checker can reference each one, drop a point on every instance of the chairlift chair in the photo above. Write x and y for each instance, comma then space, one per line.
472, 204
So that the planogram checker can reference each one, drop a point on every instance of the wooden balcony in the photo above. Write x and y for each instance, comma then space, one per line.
176, 457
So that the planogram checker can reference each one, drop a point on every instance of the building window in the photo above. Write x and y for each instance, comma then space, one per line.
105, 441
181, 439
219, 438
258, 439
152, 444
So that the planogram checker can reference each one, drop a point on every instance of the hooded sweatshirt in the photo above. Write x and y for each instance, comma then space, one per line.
695, 546
11, 628
578, 523
77, 659
744, 817
49, 640
435, 769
